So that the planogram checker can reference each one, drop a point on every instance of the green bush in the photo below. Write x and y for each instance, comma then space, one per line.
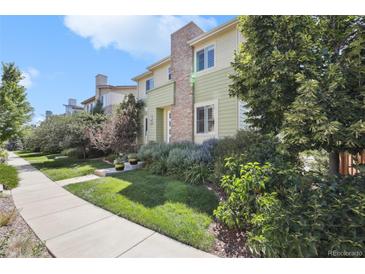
74, 152
197, 174
8, 176
178, 160
305, 215
243, 185
250, 146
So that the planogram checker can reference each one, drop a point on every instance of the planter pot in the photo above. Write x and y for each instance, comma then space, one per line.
119, 167
133, 161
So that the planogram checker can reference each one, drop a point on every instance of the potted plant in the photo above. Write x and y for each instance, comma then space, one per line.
119, 163
133, 158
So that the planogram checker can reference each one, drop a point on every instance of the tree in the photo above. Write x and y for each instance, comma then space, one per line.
303, 77
98, 108
119, 132
15, 110
76, 131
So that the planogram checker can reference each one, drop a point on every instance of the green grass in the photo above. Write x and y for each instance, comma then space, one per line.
166, 205
8, 176
59, 169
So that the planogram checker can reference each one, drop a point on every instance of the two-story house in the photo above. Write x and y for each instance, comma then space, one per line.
109, 96
186, 94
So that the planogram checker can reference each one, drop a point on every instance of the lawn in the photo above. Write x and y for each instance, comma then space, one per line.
59, 169
8, 176
166, 205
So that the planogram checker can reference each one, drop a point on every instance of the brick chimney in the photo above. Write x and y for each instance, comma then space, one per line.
182, 68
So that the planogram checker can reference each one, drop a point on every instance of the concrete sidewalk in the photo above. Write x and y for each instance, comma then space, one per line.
74, 228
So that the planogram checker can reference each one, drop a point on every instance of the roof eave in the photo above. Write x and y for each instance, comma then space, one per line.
213, 32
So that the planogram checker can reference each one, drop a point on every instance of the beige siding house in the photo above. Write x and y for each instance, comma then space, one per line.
110, 96
186, 94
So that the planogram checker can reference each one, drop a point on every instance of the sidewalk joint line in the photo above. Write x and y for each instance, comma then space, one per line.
58, 211
78, 228
48, 198
133, 246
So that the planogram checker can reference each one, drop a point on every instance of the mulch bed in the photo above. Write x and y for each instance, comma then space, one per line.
17, 240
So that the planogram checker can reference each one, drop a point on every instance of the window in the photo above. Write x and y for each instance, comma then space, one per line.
169, 73
149, 84
205, 119
205, 58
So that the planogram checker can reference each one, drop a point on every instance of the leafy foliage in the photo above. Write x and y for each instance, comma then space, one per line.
60, 132
303, 77
15, 110
119, 132
290, 214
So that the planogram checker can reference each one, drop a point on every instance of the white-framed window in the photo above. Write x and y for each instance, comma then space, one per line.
149, 84
205, 58
169, 73
205, 119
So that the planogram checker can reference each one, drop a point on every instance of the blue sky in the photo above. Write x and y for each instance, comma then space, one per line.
60, 56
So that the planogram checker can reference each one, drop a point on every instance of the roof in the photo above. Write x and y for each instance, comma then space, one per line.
88, 100
212, 32
160, 62
117, 87
146, 73
73, 106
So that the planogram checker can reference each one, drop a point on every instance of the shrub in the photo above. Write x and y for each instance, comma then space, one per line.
74, 152
8, 176
159, 167
249, 146
178, 160
197, 174
243, 186
304, 216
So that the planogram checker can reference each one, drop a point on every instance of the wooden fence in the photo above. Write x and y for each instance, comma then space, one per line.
348, 162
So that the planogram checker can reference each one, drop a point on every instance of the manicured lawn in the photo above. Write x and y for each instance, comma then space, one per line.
8, 176
166, 205
59, 169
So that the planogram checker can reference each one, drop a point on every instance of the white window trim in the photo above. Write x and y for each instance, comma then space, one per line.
215, 113
205, 60
148, 79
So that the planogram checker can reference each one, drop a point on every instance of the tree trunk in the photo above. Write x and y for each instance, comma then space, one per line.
334, 163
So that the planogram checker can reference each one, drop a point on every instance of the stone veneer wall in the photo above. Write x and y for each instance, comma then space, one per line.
182, 66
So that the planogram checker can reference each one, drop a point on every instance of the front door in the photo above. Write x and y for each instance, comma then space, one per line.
168, 126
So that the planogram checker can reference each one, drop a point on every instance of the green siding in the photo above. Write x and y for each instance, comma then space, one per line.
213, 86
157, 99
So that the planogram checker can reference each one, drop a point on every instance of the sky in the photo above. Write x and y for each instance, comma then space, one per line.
59, 56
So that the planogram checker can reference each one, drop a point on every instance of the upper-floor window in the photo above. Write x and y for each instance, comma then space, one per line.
169, 73
205, 119
205, 58
149, 84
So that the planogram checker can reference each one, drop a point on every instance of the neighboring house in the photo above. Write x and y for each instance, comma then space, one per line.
186, 94
110, 96
72, 107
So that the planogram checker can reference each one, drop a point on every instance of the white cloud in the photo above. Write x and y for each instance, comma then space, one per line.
139, 36
28, 77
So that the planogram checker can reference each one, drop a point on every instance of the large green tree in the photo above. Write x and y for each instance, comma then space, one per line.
303, 77
15, 110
